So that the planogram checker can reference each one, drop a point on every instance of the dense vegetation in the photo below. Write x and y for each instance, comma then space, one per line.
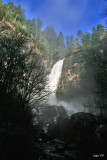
22, 76
50, 44
94, 54
88, 69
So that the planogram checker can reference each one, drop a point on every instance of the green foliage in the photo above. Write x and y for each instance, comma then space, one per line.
77, 43
44, 47
60, 47
86, 38
39, 24
88, 68
3, 11
10, 12
79, 34
17, 12
13, 13
21, 77
95, 60
47, 41
31, 27
1, 2
50, 35
70, 45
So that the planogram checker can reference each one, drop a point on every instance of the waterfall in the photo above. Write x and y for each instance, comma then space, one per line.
51, 103
53, 81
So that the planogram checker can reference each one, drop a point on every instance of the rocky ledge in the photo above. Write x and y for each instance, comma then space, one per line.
83, 136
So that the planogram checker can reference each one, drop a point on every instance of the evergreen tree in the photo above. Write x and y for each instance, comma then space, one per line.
70, 45
77, 43
3, 11
50, 35
95, 60
1, 2
31, 27
60, 48
11, 7
79, 34
60, 40
67, 42
19, 14
39, 24
86, 38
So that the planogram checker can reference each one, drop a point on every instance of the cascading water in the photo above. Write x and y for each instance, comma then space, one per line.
53, 80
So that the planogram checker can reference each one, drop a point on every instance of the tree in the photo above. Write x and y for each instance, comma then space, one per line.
77, 43
21, 67
79, 34
3, 11
21, 78
39, 24
34, 21
19, 14
11, 7
100, 28
50, 36
70, 45
60, 40
94, 30
86, 38
1, 2
60, 48
31, 27
95, 59
97, 34
67, 42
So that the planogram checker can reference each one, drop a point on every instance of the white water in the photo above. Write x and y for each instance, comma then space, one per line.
53, 80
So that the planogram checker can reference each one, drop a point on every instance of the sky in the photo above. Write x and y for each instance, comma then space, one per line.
67, 16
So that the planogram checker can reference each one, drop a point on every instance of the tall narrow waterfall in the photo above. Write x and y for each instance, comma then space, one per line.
53, 80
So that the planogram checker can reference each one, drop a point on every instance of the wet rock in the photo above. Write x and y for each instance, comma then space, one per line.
49, 114
82, 126
101, 132
72, 155
83, 119
101, 120
62, 150
51, 156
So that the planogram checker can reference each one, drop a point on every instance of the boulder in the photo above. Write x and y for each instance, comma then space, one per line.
101, 120
101, 132
82, 127
49, 114
83, 119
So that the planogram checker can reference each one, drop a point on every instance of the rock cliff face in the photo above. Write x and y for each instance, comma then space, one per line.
6, 28
73, 67
49, 64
